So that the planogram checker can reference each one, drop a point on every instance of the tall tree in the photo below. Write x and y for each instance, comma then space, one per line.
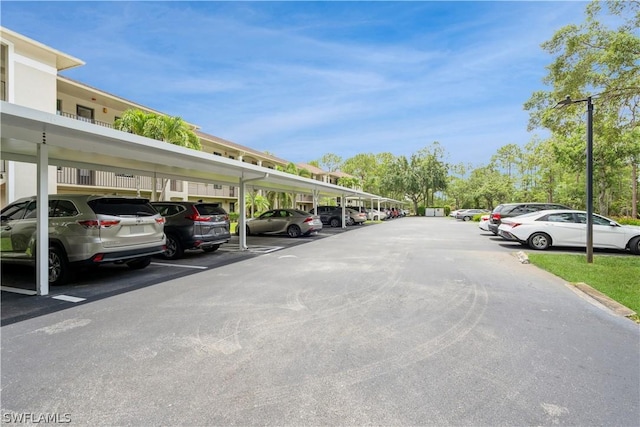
330, 162
594, 59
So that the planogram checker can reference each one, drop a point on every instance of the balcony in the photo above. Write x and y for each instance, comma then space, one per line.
84, 119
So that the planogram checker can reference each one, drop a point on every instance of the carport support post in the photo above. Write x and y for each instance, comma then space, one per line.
242, 231
344, 210
42, 225
316, 196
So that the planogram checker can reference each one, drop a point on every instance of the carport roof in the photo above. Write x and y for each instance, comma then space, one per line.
85, 145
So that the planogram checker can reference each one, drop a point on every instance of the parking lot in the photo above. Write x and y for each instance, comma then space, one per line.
415, 321
91, 284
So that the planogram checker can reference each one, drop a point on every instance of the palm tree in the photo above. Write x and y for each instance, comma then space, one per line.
172, 130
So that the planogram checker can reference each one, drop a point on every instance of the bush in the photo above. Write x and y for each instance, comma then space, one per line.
447, 210
233, 216
628, 221
421, 210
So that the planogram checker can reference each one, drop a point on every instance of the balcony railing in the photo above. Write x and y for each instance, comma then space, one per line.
211, 190
84, 119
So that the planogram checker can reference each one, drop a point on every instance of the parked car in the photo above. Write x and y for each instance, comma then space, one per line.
508, 210
356, 217
331, 215
84, 229
541, 230
468, 214
376, 215
193, 225
293, 222
484, 223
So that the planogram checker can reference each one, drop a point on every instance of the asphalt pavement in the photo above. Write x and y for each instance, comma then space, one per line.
415, 321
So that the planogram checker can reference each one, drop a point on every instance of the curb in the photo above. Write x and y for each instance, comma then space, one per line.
612, 305
601, 298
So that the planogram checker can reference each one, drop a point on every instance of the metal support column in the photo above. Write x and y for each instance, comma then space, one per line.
42, 225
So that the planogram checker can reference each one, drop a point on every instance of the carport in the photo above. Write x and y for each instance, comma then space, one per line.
34, 136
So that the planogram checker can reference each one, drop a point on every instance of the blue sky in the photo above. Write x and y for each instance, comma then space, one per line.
301, 79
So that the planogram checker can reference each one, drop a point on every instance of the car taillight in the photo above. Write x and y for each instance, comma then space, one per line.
495, 216
226, 217
195, 216
94, 223
160, 220
309, 219
515, 224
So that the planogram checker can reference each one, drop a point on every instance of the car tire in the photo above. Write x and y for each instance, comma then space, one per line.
58, 266
212, 248
174, 247
335, 222
294, 231
139, 263
466, 218
539, 241
634, 245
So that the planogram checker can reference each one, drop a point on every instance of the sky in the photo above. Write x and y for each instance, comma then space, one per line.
303, 79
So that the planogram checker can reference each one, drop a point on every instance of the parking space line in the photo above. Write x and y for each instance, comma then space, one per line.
197, 267
68, 298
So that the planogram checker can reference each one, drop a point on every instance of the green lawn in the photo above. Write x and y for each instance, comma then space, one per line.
616, 277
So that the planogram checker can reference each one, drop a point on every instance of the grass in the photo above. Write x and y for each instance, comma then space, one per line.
616, 277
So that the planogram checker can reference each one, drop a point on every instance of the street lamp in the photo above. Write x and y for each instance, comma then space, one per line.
563, 103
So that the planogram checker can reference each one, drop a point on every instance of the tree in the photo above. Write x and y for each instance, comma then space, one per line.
172, 130
592, 59
330, 162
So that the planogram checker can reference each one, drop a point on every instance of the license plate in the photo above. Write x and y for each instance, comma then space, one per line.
136, 229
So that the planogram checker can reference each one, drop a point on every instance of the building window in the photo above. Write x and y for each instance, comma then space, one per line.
85, 113
59, 106
232, 207
217, 154
217, 186
232, 158
4, 72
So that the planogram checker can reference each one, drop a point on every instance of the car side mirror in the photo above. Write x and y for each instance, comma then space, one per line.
614, 224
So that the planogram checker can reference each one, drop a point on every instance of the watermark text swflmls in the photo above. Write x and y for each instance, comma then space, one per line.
35, 418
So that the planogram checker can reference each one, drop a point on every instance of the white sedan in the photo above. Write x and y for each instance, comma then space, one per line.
484, 223
540, 230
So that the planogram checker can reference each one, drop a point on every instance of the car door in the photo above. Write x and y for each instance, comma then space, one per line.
564, 229
606, 235
263, 223
16, 230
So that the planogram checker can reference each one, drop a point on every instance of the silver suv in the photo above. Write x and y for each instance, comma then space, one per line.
84, 229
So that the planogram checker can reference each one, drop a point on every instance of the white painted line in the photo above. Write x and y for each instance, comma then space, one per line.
18, 290
197, 267
68, 298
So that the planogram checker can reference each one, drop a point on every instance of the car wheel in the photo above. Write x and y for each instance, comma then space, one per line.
634, 245
212, 248
294, 231
58, 266
466, 218
174, 248
335, 222
539, 241
140, 263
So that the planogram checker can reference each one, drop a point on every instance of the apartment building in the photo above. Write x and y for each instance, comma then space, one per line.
30, 77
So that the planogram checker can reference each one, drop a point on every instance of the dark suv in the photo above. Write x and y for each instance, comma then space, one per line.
331, 215
193, 225
508, 210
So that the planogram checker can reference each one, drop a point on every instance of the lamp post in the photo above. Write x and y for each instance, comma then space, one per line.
563, 103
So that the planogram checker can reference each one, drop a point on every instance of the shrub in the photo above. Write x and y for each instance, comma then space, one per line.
628, 221
233, 216
421, 210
